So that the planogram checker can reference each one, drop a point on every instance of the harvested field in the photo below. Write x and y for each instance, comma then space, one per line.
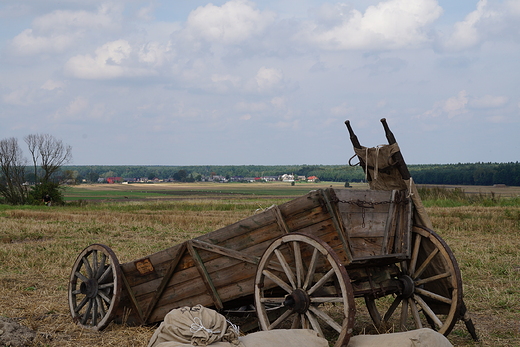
38, 246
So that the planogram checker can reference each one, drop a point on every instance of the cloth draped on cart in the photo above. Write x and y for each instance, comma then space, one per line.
200, 326
384, 174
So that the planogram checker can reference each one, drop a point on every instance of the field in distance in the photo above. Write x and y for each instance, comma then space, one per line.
201, 190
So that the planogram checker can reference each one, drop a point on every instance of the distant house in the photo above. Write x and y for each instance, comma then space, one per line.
312, 179
287, 178
112, 180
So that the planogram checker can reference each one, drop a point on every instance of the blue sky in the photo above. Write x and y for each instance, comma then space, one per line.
262, 82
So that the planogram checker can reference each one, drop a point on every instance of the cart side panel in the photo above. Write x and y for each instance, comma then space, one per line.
232, 278
377, 223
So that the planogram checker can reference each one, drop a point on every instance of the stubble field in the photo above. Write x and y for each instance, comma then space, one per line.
38, 246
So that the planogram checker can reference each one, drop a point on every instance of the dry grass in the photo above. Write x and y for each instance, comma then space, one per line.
38, 247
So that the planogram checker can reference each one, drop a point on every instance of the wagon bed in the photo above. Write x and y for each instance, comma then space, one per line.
301, 264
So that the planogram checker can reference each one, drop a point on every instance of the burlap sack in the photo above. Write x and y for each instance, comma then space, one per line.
415, 338
194, 326
284, 338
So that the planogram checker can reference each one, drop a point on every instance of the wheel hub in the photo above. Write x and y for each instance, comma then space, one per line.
298, 301
408, 286
89, 288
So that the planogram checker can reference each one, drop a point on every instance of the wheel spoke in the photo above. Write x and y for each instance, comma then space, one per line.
296, 321
87, 313
415, 314
106, 285
427, 310
312, 269
88, 269
81, 304
392, 308
319, 300
287, 270
434, 296
81, 276
105, 298
101, 265
321, 282
280, 319
299, 263
277, 280
305, 322
94, 312
272, 300
404, 315
101, 306
415, 254
314, 323
423, 266
105, 274
95, 260
432, 279
326, 318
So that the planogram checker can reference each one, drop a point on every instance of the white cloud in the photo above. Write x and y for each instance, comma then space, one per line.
17, 97
231, 23
279, 102
27, 43
60, 30
112, 60
153, 53
450, 107
388, 25
267, 78
489, 101
466, 33
64, 20
52, 85
341, 110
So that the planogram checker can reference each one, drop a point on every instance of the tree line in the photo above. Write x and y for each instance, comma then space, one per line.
448, 174
33, 181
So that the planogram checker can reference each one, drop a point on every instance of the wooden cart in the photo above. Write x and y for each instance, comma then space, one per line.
300, 264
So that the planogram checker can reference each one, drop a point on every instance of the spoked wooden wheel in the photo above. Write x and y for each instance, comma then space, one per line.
301, 284
95, 287
431, 292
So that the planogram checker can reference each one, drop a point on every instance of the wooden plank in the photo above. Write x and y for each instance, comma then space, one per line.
199, 264
328, 195
390, 224
164, 281
225, 251
280, 219
133, 300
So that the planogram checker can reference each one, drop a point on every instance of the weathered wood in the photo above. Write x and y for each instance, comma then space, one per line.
225, 251
329, 195
164, 282
199, 264
219, 267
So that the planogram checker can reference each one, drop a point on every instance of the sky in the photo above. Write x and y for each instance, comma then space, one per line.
239, 82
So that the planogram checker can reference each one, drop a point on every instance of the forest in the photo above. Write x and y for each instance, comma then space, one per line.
449, 174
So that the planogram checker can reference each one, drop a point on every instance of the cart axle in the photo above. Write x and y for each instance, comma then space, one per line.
298, 301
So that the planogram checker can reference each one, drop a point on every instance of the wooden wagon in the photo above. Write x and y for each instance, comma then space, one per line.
299, 264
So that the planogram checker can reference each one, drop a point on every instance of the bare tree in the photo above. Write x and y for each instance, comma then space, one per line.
33, 142
12, 172
50, 152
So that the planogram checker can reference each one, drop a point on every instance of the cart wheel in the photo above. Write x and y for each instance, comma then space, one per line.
301, 283
431, 289
95, 287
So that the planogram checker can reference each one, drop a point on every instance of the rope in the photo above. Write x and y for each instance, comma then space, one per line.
410, 193
197, 326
